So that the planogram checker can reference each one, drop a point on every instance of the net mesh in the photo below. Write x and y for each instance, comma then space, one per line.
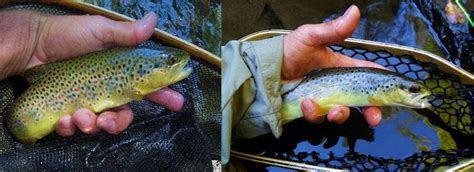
452, 101
422, 161
156, 139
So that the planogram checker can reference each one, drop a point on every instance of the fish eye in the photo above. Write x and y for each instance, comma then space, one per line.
414, 89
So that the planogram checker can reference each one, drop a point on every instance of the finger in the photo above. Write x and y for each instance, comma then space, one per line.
115, 121
373, 115
169, 98
65, 126
85, 120
312, 111
339, 114
331, 32
339, 60
70, 36
311, 41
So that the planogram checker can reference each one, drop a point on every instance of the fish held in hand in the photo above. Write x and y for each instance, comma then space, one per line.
96, 81
354, 87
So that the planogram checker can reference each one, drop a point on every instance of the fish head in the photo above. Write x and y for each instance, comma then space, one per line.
155, 69
407, 93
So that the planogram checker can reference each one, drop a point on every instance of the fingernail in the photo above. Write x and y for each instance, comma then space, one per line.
338, 116
342, 19
335, 117
179, 102
349, 10
144, 21
63, 122
308, 106
84, 120
146, 18
107, 123
376, 117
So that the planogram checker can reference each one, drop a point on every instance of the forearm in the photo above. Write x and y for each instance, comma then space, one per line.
250, 94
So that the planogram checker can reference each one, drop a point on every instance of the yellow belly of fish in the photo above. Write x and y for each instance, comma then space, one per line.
38, 129
292, 110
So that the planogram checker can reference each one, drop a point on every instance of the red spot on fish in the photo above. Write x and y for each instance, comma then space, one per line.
95, 81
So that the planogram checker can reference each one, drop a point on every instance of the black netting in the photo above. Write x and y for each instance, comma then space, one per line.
6, 95
453, 103
426, 161
157, 138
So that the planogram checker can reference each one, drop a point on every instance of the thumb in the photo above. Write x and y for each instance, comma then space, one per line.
330, 32
70, 36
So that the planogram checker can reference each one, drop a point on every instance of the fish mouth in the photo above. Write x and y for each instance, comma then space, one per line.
417, 101
186, 72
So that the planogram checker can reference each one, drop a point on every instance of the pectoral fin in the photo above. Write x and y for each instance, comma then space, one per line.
375, 102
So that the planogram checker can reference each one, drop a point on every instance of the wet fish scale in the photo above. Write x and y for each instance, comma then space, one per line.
342, 79
334, 87
97, 81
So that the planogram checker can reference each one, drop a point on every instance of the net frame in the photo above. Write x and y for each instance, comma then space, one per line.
199, 122
453, 100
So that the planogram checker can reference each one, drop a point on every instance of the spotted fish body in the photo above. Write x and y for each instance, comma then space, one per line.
97, 81
354, 87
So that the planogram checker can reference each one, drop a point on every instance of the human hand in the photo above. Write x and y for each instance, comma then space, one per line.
30, 39
305, 49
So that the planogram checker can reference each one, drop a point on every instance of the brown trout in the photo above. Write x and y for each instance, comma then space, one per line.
354, 87
96, 81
